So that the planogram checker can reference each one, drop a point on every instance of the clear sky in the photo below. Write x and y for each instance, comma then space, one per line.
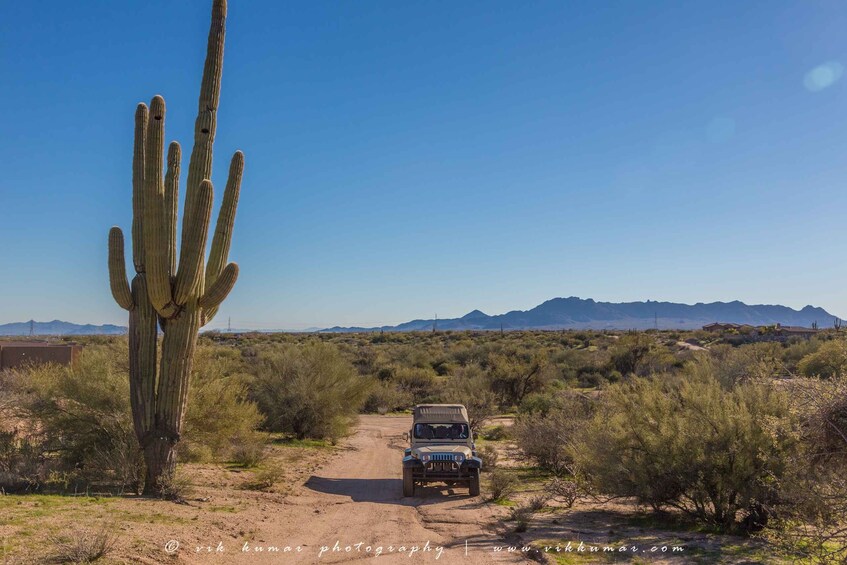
411, 158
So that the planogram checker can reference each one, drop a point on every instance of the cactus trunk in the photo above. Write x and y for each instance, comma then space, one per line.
171, 291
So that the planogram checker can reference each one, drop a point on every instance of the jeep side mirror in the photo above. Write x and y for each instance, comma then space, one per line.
475, 436
405, 436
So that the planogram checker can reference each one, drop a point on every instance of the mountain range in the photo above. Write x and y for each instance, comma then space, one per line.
558, 313
578, 313
58, 327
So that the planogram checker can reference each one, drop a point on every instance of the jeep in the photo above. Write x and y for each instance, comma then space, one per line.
442, 448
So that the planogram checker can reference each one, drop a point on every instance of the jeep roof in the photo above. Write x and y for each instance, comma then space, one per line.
440, 413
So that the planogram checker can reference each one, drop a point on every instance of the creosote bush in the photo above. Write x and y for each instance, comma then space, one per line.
310, 391
690, 442
501, 484
547, 436
221, 422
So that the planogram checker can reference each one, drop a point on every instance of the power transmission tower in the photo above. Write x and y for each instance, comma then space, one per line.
31, 328
229, 324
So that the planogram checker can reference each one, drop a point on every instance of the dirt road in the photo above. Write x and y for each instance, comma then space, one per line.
352, 510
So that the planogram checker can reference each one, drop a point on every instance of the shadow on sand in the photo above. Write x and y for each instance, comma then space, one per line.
386, 491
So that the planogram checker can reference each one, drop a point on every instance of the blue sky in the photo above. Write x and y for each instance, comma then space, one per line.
405, 159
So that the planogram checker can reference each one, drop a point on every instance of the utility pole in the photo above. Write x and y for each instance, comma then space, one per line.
435, 323
31, 328
229, 324
501, 328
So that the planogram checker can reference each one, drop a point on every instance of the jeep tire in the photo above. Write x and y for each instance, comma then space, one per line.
473, 486
408, 482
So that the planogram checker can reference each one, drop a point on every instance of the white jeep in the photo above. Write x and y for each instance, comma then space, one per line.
442, 448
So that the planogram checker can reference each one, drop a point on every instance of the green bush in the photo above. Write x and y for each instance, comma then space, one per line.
829, 361
309, 391
501, 484
489, 456
79, 420
385, 397
221, 421
420, 384
471, 388
691, 443
546, 437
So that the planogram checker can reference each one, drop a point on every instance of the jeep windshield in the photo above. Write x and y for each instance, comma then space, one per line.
441, 431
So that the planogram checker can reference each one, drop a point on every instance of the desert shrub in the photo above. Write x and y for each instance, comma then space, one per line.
628, 352
78, 419
690, 443
265, 479
829, 361
811, 514
250, 450
797, 348
488, 454
537, 403
471, 388
564, 490
496, 433
537, 502
516, 375
175, 486
521, 516
419, 383
83, 546
309, 391
501, 484
220, 421
385, 397
547, 437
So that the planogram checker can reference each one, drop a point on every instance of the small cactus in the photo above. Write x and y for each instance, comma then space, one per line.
173, 291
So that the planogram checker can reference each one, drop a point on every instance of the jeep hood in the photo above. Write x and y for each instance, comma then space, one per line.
463, 449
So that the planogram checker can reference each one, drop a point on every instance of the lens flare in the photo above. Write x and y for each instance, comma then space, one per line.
823, 76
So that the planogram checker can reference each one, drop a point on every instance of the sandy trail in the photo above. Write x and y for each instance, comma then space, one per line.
356, 499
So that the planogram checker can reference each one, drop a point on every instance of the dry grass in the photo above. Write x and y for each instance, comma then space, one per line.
83, 546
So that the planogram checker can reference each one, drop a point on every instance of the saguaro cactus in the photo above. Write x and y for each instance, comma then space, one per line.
171, 291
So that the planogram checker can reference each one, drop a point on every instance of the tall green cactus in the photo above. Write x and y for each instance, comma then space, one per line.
171, 291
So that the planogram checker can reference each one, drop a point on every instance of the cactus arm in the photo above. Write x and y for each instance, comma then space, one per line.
195, 229
171, 201
117, 270
219, 290
156, 256
200, 162
226, 218
138, 187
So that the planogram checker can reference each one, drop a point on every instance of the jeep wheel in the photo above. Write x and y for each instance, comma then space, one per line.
473, 488
408, 482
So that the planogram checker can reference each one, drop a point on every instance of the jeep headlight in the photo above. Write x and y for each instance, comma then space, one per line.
458, 458
425, 458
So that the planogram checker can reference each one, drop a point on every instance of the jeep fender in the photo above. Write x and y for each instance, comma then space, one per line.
412, 462
473, 462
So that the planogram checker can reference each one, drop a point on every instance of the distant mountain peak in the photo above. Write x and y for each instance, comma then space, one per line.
474, 314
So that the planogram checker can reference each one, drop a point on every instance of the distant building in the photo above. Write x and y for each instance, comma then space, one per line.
17, 353
795, 331
721, 327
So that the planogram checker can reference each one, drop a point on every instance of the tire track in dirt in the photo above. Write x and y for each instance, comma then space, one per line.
357, 497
